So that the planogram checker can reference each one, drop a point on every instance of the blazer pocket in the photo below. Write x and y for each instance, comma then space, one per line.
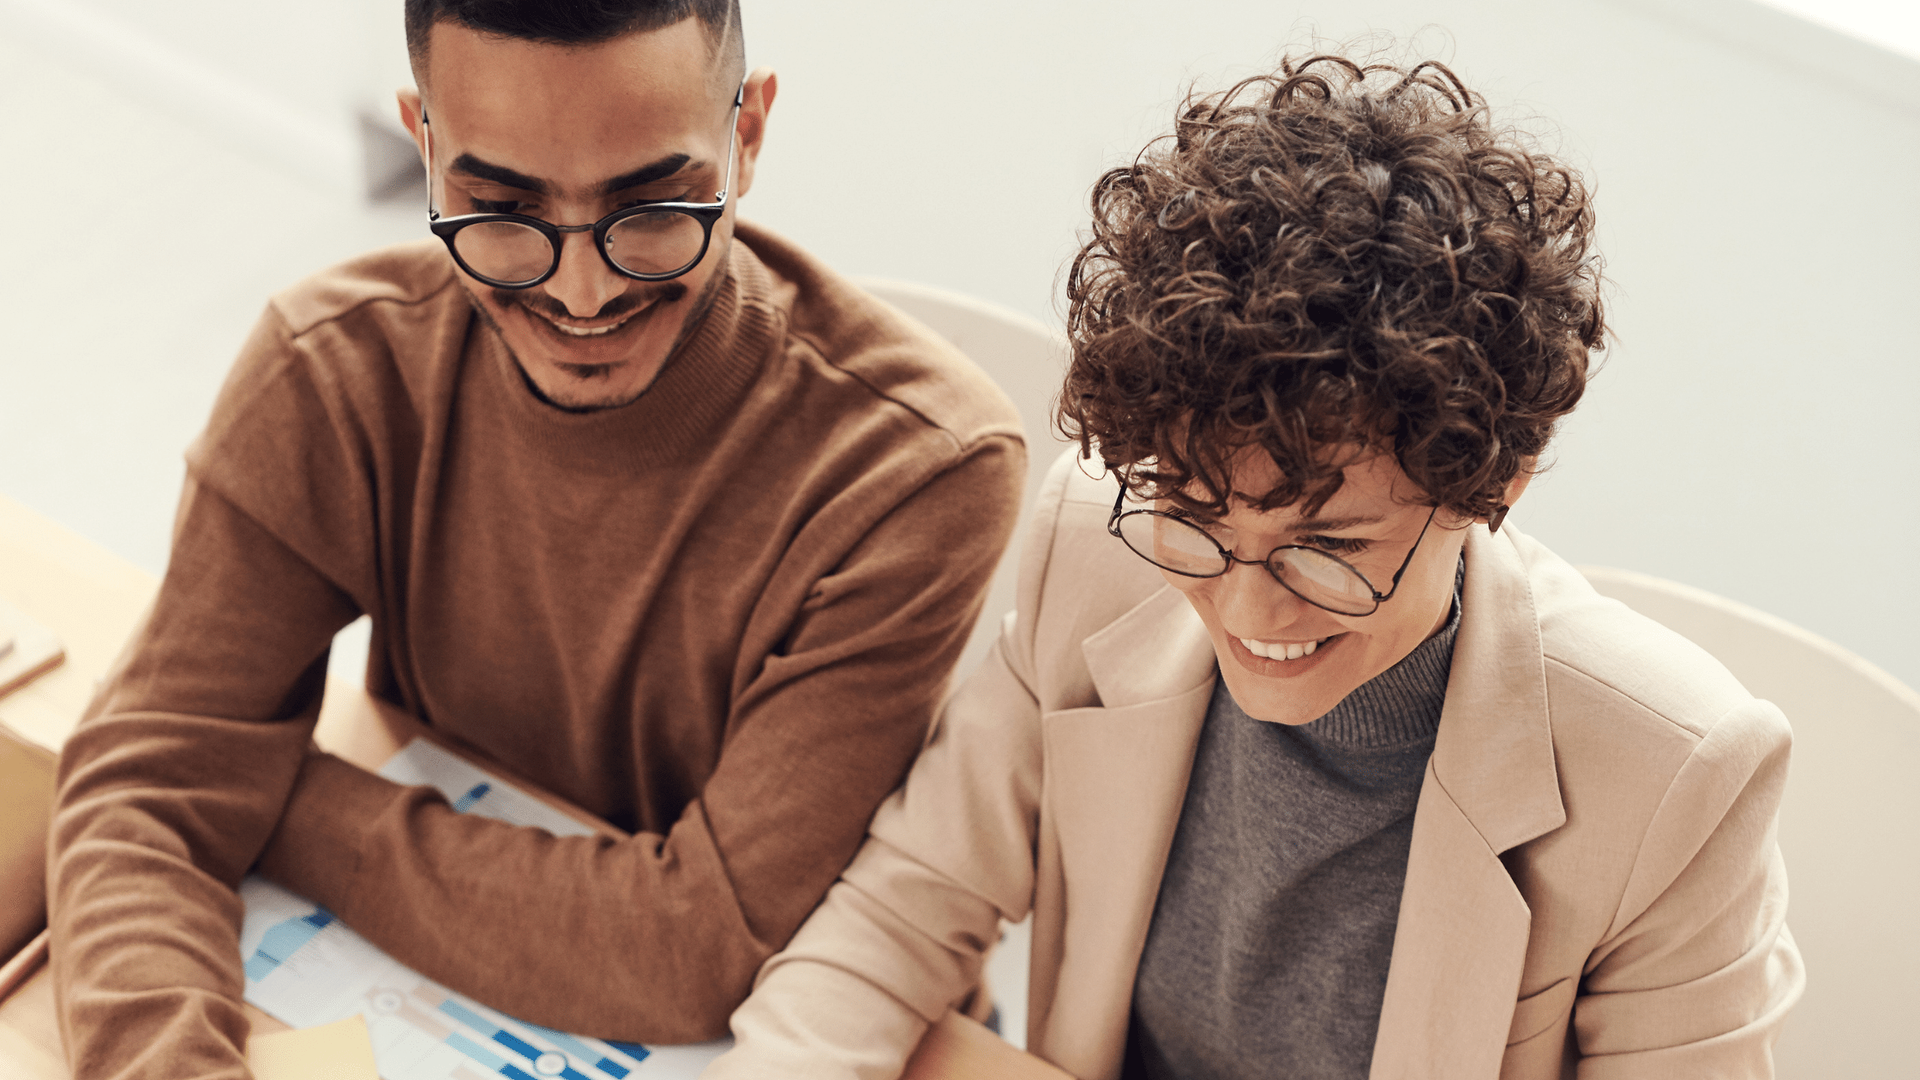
1537, 1012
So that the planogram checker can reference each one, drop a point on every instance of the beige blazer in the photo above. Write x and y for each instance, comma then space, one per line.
1593, 886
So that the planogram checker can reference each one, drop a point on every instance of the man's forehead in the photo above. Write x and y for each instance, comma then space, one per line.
507, 97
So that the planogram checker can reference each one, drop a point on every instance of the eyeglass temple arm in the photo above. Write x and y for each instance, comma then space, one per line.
733, 128
1394, 587
426, 136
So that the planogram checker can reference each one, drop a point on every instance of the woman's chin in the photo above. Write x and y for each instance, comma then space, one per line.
1292, 701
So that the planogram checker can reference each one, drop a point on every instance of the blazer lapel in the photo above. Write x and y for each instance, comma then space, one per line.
1116, 776
1460, 944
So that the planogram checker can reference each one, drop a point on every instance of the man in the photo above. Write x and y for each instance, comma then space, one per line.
643, 502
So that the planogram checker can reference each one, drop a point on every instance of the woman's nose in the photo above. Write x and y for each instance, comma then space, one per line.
1247, 595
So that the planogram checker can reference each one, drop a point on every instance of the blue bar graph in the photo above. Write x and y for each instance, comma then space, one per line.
474, 795
467, 1016
284, 939
587, 1053
556, 1063
633, 1050
475, 1051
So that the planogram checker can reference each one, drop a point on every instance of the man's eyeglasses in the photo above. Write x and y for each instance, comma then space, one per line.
651, 241
1178, 544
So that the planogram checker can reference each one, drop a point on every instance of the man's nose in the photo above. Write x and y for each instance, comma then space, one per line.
583, 282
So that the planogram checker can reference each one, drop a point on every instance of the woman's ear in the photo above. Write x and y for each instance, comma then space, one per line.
1515, 488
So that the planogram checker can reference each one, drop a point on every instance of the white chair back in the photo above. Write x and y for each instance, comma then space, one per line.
1028, 360
1849, 825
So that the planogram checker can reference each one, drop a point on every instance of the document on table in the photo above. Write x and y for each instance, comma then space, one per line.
305, 968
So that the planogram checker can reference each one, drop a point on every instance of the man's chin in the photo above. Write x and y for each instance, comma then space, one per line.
581, 387
603, 382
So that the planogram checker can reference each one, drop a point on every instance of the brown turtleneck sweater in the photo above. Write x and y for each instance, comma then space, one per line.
719, 617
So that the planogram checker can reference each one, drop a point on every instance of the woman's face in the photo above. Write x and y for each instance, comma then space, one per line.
1371, 523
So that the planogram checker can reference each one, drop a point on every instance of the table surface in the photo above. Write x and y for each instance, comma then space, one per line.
91, 598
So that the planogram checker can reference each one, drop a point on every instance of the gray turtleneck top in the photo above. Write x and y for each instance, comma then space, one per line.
1268, 952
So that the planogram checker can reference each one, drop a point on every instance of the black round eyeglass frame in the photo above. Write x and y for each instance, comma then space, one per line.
1228, 558
704, 213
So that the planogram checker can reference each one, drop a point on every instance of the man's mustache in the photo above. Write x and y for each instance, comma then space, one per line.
625, 304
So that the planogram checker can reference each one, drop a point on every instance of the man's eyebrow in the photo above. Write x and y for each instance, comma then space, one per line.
499, 174
646, 174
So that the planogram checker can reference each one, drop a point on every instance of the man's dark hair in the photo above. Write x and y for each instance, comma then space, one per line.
1332, 256
579, 22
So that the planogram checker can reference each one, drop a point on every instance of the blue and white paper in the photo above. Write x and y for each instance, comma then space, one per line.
305, 968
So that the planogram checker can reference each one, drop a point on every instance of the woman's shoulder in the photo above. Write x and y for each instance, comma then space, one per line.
1607, 663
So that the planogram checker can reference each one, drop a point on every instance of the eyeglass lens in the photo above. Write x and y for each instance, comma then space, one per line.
658, 242
1185, 548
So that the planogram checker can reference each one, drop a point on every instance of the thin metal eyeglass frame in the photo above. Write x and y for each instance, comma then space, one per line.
1228, 558
704, 213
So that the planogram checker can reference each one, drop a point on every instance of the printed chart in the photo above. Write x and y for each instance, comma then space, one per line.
306, 968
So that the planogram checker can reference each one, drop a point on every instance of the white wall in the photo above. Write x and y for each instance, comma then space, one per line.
1750, 432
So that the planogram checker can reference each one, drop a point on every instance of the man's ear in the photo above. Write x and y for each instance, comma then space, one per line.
412, 109
755, 104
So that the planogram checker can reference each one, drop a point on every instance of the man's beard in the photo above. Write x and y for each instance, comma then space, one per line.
668, 292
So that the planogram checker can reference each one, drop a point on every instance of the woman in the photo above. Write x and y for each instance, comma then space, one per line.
1304, 763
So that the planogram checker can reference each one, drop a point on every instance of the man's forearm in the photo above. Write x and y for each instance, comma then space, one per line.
146, 955
168, 790
637, 939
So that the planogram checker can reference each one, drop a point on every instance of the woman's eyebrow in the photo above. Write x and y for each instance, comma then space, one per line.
1335, 524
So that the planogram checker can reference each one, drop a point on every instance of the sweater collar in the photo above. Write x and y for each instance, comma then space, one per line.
699, 387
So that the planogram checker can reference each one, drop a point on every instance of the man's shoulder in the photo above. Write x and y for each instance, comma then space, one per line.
838, 324
366, 340
404, 275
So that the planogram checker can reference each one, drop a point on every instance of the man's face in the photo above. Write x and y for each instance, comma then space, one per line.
568, 135
1371, 523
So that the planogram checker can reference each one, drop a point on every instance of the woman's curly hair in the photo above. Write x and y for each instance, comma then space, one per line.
1330, 257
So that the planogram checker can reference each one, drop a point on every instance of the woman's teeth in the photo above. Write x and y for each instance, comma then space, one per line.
1282, 650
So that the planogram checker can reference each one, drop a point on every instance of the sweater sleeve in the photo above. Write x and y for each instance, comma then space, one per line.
168, 790
663, 933
904, 932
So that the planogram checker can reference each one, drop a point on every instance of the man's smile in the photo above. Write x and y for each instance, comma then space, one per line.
588, 329
596, 343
